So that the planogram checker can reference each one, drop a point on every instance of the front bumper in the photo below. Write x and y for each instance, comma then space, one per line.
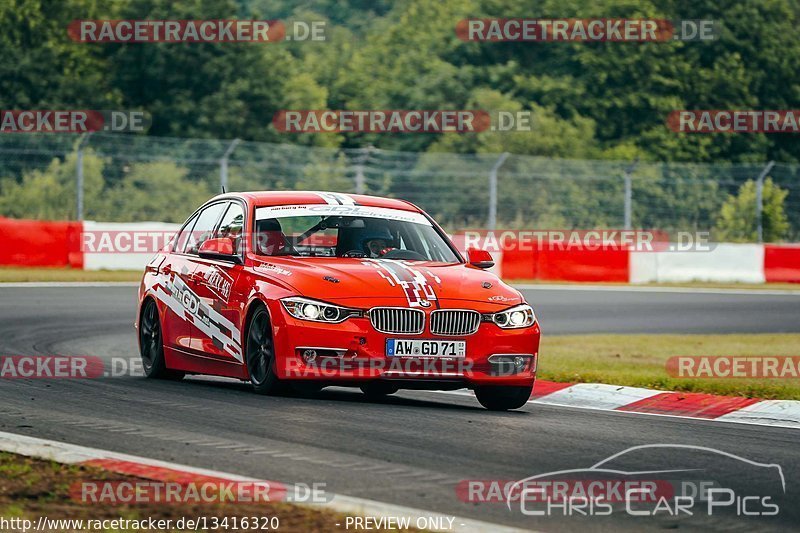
353, 352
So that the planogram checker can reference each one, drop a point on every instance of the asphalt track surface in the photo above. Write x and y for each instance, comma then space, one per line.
413, 448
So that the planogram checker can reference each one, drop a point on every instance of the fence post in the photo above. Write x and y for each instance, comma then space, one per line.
359, 178
492, 222
223, 165
760, 201
628, 216
79, 175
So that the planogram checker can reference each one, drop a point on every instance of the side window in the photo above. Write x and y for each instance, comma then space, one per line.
180, 241
204, 227
232, 226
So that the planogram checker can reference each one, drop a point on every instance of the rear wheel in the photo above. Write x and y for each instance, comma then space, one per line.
377, 389
151, 345
260, 353
497, 398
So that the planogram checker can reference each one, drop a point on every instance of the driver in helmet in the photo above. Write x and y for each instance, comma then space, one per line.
376, 241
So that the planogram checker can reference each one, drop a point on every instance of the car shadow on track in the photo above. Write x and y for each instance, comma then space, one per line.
335, 394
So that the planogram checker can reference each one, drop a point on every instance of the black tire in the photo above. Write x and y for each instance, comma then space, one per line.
377, 389
151, 345
260, 353
503, 398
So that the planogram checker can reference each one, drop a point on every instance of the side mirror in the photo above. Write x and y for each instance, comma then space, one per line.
480, 258
221, 249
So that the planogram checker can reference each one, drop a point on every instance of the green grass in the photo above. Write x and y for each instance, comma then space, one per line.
15, 274
639, 361
30, 488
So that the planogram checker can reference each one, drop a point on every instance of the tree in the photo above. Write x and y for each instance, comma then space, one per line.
217, 90
737, 219
41, 68
50, 194
158, 192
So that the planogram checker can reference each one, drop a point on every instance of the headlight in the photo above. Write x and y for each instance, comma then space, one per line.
521, 316
316, 311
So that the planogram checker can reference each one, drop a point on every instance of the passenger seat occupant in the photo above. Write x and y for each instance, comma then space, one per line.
270, 239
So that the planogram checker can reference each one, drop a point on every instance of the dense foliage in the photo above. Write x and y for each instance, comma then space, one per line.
600, 100
606, 101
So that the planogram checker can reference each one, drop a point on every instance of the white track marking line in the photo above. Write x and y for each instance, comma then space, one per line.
71, 453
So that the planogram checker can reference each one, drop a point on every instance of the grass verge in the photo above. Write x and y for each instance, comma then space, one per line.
30, 488
639, 361
16, 275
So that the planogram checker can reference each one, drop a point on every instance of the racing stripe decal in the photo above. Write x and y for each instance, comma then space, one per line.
187, 305
413, 282
335, 198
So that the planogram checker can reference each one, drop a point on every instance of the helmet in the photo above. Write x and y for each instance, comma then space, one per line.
373, 240
269, 237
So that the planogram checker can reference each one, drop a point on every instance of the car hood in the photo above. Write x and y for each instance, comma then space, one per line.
360, 282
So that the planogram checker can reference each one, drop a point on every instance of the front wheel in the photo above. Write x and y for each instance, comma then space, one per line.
151, 345
496, 398
260, 353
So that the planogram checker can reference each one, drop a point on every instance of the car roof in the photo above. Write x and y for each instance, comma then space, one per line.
270, 198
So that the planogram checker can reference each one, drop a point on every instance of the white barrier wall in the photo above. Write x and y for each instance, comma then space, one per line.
123, 245
726, 263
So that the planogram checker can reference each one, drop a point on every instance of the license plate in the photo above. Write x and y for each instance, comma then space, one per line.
425, 348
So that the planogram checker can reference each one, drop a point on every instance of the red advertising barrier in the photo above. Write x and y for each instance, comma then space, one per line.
575, 263
782, 263
566, 263
519, 264
40, 243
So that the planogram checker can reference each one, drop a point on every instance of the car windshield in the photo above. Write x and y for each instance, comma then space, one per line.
349, 231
